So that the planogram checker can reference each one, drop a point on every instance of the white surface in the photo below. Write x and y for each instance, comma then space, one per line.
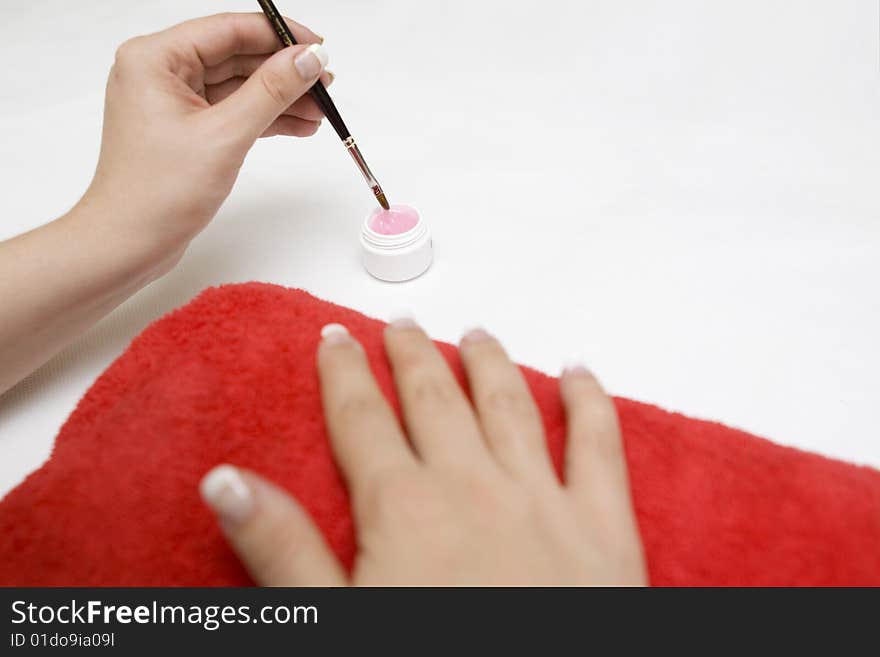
689, 193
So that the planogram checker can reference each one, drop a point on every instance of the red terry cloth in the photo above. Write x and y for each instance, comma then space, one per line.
231, 378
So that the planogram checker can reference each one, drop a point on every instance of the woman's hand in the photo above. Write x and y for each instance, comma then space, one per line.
470, 498
183, 107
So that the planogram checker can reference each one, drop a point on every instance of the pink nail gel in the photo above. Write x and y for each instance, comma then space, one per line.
396, 244
396, 221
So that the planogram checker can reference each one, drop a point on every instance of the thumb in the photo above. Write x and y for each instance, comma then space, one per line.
271, 89
274, 537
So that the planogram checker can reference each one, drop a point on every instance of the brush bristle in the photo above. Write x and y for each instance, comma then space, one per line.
380, 195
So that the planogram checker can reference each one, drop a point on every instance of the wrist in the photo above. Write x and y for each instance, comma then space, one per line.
119, 239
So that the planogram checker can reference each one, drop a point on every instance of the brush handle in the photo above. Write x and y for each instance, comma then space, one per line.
318, 91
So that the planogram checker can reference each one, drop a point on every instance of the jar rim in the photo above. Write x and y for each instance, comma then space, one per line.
396, 241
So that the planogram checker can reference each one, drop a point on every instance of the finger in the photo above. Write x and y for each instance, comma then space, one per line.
439, 420
367, 440
273, 536
505, 407
595, 461
238, 66
275, 86
304, 108
219, 37
291, 126
243, 66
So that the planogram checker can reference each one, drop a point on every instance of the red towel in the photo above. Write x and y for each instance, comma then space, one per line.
231, 378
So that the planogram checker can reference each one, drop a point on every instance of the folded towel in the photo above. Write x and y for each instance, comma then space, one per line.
231, 378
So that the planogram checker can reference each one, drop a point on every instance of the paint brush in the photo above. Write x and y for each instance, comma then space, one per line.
325, 103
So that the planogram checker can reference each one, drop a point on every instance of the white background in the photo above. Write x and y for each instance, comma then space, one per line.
684, 193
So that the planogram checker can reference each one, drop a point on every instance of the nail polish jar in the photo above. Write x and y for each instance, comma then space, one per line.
396, 244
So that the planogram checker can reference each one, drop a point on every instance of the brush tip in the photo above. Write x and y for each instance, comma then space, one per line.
382, 200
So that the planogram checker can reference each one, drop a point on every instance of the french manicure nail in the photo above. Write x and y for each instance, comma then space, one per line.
576, 368
225, 491
403, 320
476, 335
330, 76
311, 61
321, 53
335, 334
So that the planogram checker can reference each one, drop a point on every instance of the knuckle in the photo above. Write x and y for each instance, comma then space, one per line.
277, 558
225, 19
244, 67
488, 496
405, 352
127, 51
351, 411
608, 445
505, 400
430, 390
232, 23
398, 495
275, 85
299, 128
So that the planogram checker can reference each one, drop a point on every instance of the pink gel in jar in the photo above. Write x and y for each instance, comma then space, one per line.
396, 244
396, 221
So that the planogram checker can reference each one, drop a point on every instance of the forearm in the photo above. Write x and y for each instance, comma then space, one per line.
58, 280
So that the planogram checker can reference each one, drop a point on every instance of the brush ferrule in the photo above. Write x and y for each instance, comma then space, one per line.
358, 158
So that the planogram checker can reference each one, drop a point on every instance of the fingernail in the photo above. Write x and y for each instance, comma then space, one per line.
311, 61
225, 491
330, 76
403, 320
576, 368
335, 334
476, 335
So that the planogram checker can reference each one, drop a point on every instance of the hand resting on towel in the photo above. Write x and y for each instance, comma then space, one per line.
466, 496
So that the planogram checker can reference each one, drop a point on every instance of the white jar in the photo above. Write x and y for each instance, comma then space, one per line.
399, 257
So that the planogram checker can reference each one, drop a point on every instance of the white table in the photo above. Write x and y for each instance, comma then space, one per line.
685, 193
